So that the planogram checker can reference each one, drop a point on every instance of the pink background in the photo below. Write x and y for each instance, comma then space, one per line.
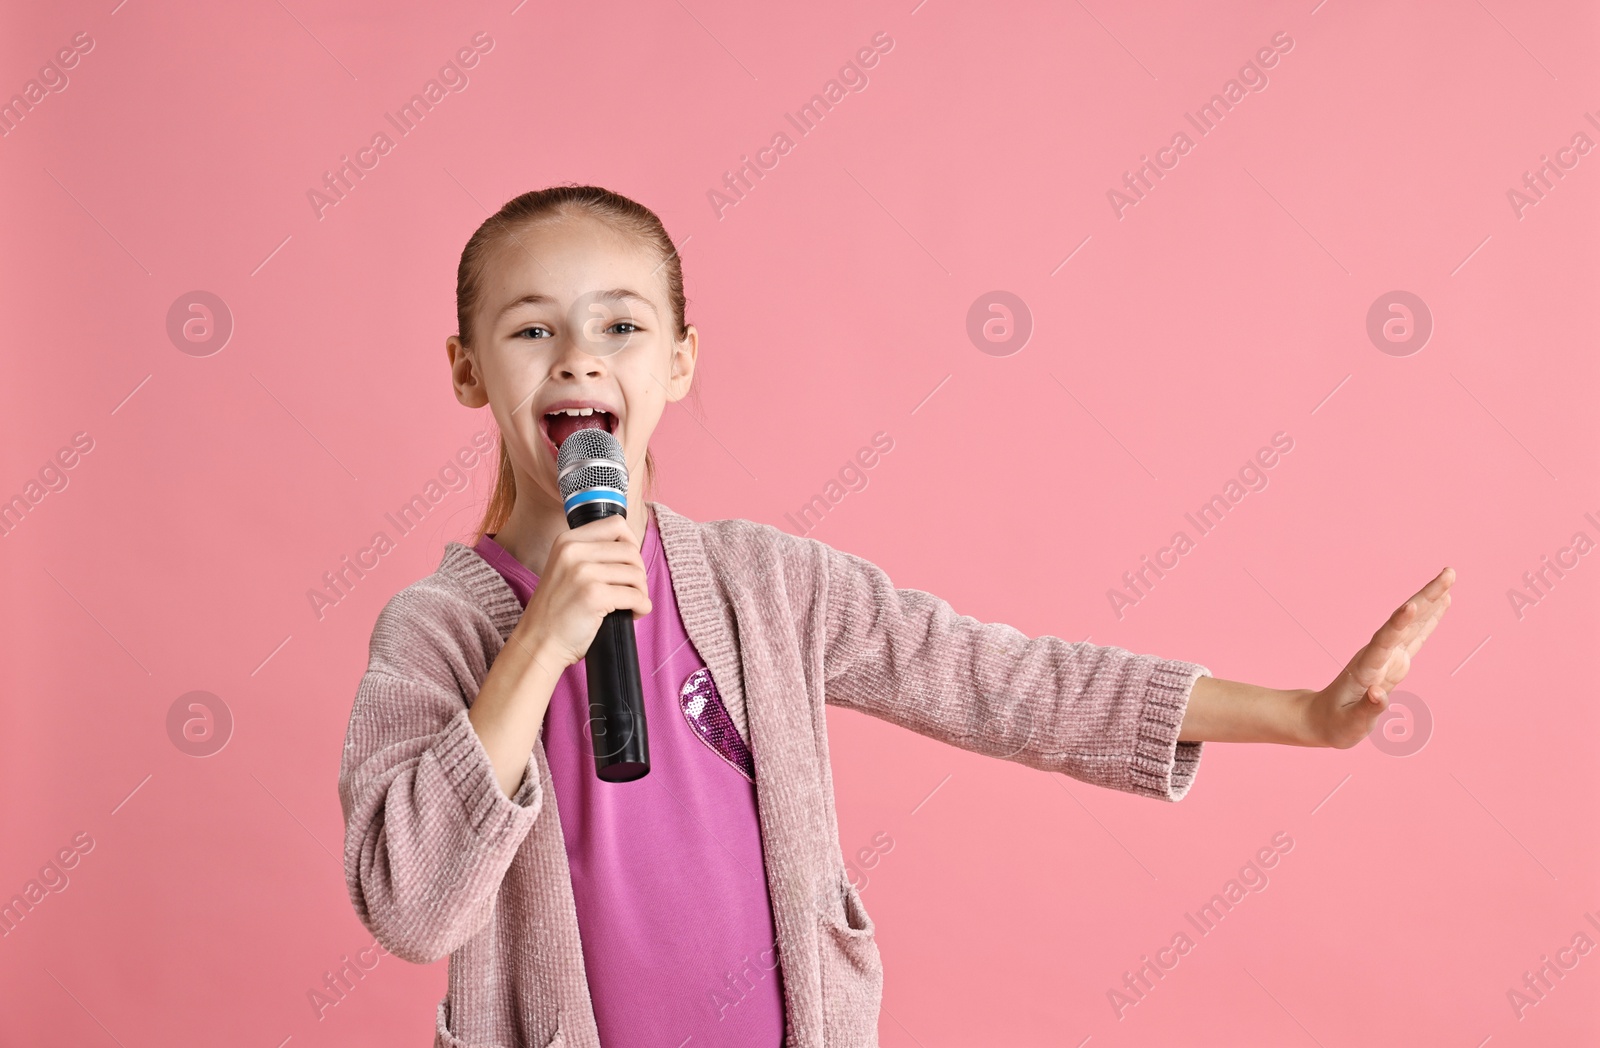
1227, 306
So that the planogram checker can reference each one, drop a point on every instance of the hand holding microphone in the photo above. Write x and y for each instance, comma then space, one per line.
592, 570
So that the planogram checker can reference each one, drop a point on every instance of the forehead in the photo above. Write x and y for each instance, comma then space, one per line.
567, 257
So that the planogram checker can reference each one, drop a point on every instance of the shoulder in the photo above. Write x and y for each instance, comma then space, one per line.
767, 569
737, 533
441, 620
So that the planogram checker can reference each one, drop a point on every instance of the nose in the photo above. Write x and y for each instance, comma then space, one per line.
575, 357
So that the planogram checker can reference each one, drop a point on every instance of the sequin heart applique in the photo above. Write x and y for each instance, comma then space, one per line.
703, 709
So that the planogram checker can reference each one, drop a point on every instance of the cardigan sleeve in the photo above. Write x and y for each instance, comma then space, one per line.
1101, 714
429, 834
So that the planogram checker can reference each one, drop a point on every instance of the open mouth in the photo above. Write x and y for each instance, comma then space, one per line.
557, 426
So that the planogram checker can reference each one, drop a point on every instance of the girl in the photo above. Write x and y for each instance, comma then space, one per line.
706, 903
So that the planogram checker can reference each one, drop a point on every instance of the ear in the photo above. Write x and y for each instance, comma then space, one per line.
681, 367
464, 374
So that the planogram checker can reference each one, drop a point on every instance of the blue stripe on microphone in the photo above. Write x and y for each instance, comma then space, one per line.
578, 498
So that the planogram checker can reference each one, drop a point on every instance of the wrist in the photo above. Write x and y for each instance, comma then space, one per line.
1300, 725
535, 655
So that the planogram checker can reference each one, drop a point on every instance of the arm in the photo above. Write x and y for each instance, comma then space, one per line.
1340, 715
429, 832
1104, 715
508, 713
1228, 711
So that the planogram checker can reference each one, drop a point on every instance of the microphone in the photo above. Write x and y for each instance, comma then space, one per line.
593, 475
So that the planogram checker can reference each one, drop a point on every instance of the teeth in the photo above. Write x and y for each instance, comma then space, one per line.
574, 411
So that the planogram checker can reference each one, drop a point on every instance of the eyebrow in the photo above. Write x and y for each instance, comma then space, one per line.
613, 295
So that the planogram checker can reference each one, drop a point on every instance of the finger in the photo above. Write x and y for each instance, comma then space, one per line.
610, 528
606, 531
1371, 661
1436, 587
603, 578
629, 597
612, 554
1394, 630
1432, 590
1427, 628
1427, 620
616, 573
581, 553
1406, 628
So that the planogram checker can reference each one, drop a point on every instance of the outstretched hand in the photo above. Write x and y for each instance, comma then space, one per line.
1343, 713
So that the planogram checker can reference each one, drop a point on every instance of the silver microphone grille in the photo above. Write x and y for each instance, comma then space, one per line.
591, 458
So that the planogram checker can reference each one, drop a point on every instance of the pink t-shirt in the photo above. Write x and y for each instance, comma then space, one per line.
667, 871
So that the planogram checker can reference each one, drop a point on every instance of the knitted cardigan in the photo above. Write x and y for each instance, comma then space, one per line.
440, 862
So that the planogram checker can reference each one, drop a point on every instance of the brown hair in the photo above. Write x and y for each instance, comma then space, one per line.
628, 216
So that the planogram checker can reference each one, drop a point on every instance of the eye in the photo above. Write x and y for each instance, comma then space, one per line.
533, 327
628, 324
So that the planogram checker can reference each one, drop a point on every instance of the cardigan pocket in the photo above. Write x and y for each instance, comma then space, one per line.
443, 1038
852, 969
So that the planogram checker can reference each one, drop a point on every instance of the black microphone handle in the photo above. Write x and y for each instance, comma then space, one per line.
616, 701
616, 698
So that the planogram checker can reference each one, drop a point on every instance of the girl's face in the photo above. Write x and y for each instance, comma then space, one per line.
572, 315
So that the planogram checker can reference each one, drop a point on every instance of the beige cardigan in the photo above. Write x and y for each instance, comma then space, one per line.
440, 862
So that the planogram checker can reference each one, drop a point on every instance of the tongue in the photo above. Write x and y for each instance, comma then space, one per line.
563, 425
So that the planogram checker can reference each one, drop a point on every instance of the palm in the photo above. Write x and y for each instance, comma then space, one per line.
1344, 712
